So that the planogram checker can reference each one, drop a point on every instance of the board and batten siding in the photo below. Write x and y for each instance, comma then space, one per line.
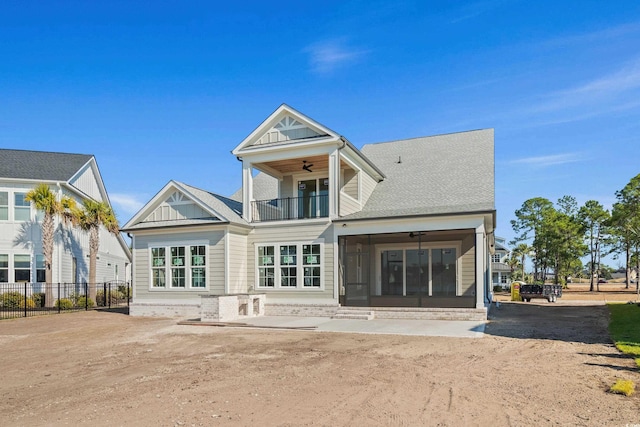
142, 270
237, 259
293, 233
87, 182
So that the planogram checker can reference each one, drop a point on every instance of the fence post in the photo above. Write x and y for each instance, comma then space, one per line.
104, 290
59, 304
127, 294
86, 297
25, 299
109, 294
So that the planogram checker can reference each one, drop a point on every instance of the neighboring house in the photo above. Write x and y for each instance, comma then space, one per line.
501, 272
73, 175
400, 227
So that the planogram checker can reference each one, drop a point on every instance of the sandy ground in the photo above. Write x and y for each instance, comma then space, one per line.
538, 364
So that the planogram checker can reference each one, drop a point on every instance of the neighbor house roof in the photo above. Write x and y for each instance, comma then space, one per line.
41, 165
443, 174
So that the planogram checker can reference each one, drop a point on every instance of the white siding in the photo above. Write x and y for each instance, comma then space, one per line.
88, 183
237, 256
348, 205
290, 233
167, 212
368, 185
215, 265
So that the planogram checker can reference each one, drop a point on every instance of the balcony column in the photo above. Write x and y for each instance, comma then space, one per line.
334, 182
247, 190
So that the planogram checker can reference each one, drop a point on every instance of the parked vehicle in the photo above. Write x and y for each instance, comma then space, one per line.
549, 292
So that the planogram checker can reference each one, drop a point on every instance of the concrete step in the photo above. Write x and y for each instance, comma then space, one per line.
353, 314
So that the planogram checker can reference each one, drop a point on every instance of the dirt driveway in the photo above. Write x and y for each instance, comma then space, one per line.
538, 364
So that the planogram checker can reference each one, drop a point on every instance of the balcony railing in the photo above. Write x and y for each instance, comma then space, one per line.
290, 208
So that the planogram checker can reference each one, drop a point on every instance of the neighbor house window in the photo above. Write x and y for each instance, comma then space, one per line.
496, 257
4, 268
4, 205
297, 266
185, 267
40, 269
22, 268
22, 208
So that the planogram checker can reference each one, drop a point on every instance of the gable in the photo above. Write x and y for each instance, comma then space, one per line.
87, 182
177, 206
284, 126
287, 129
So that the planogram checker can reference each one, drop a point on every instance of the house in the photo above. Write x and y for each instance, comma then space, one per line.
501, 271
401, 229
74, 175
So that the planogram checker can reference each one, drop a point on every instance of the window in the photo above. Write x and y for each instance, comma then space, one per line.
198, 271
288, 269
22, 208
4, 205
184, 271
496, 257
503, 279
4, 268
297, 266
40, 269
266, 270
158, 279
311, 263
22, 268
177, 267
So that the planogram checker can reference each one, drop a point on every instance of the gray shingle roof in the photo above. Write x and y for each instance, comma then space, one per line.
228, 208
441, 174
40, 165
265, 187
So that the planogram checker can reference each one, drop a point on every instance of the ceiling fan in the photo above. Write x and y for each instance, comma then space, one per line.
306, 166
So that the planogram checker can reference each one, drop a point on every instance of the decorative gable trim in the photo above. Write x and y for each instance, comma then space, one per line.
173, 195
285, 126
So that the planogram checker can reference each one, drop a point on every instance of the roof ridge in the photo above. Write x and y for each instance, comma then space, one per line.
45, 152
427, 136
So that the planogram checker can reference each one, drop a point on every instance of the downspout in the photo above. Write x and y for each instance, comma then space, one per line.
133, 289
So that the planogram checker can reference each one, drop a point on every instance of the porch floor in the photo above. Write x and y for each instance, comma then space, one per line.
439, 328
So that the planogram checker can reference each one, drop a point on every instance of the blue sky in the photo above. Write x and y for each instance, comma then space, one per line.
165, 90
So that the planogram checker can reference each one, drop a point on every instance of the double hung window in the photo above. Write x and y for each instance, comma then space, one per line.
179, 267
297, 266
4, 268
4, 206
22, 268
22, 208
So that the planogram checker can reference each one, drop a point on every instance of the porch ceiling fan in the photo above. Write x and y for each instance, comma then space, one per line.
306, 166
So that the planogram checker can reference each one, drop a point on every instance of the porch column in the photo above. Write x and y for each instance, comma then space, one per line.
481, 256
334, 183
247, 190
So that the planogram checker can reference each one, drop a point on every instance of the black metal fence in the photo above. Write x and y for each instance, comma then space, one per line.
34, 299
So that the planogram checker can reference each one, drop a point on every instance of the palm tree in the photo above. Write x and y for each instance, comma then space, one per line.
91, 218
46, 201
522, 251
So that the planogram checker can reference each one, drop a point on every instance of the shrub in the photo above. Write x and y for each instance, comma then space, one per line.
38, 299
626, 387
497, 288
15, 299
64, 304
113, 295
84, 302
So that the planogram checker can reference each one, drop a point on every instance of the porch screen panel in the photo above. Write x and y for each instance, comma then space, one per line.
392, 269
417, 272
444, 271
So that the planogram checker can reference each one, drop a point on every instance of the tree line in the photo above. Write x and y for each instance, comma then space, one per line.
89, 217
556, 237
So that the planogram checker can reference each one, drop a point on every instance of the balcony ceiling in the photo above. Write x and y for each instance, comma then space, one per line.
291, 166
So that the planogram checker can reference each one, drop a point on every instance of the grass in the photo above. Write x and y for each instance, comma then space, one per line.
624, 328
625, 387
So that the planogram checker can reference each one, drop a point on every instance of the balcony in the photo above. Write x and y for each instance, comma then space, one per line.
290, 208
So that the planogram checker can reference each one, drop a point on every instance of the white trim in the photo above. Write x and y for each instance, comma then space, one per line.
167, 246
299, 266
226, 261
